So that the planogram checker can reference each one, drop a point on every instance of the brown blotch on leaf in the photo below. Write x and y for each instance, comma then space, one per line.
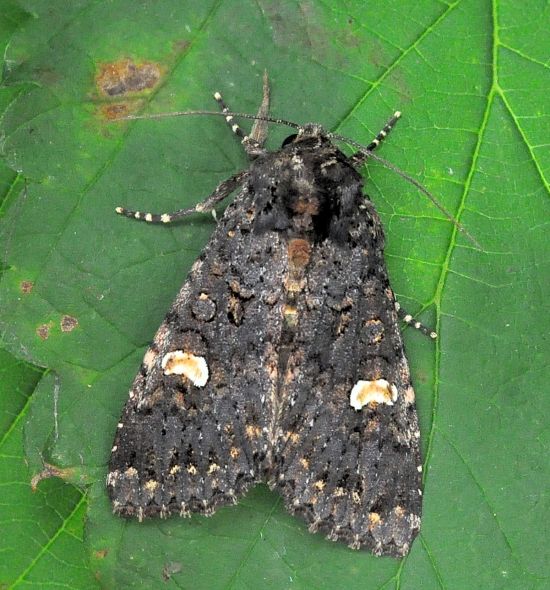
68, 323
43, 331
50, 471
112, 112
125, 76
171, 568
101, 553
26, 286
181, 44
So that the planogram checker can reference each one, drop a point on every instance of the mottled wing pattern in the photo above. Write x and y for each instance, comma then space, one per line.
351, 473
281, 359
183, 445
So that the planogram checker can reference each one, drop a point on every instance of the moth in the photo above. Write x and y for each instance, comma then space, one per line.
281, 359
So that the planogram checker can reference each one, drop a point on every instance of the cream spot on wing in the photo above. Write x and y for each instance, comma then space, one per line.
190, 366
112, 478
409, 396
149, 359
399, 511
378, 391
374, 519
150, 486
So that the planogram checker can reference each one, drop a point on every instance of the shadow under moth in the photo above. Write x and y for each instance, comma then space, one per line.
281, 359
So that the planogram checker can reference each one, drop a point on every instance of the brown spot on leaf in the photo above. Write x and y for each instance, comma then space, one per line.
181, 45
26, 286
68, 323
171, 568
101, 553
112, 112
51, 471
124, 76
43, 331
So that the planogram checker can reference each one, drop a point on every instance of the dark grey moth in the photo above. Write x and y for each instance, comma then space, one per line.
281, 359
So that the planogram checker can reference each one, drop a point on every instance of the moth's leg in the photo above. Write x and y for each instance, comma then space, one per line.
359, 158
222, 191
408, 319
253, 144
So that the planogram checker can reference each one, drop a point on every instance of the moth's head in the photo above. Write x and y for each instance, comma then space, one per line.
311, 134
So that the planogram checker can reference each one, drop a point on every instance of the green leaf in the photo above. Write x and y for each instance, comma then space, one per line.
42, 529
83, 291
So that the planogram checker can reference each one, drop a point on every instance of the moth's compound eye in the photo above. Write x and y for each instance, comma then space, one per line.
289, 139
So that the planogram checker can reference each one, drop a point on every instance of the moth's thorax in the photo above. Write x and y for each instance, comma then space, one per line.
305, 187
